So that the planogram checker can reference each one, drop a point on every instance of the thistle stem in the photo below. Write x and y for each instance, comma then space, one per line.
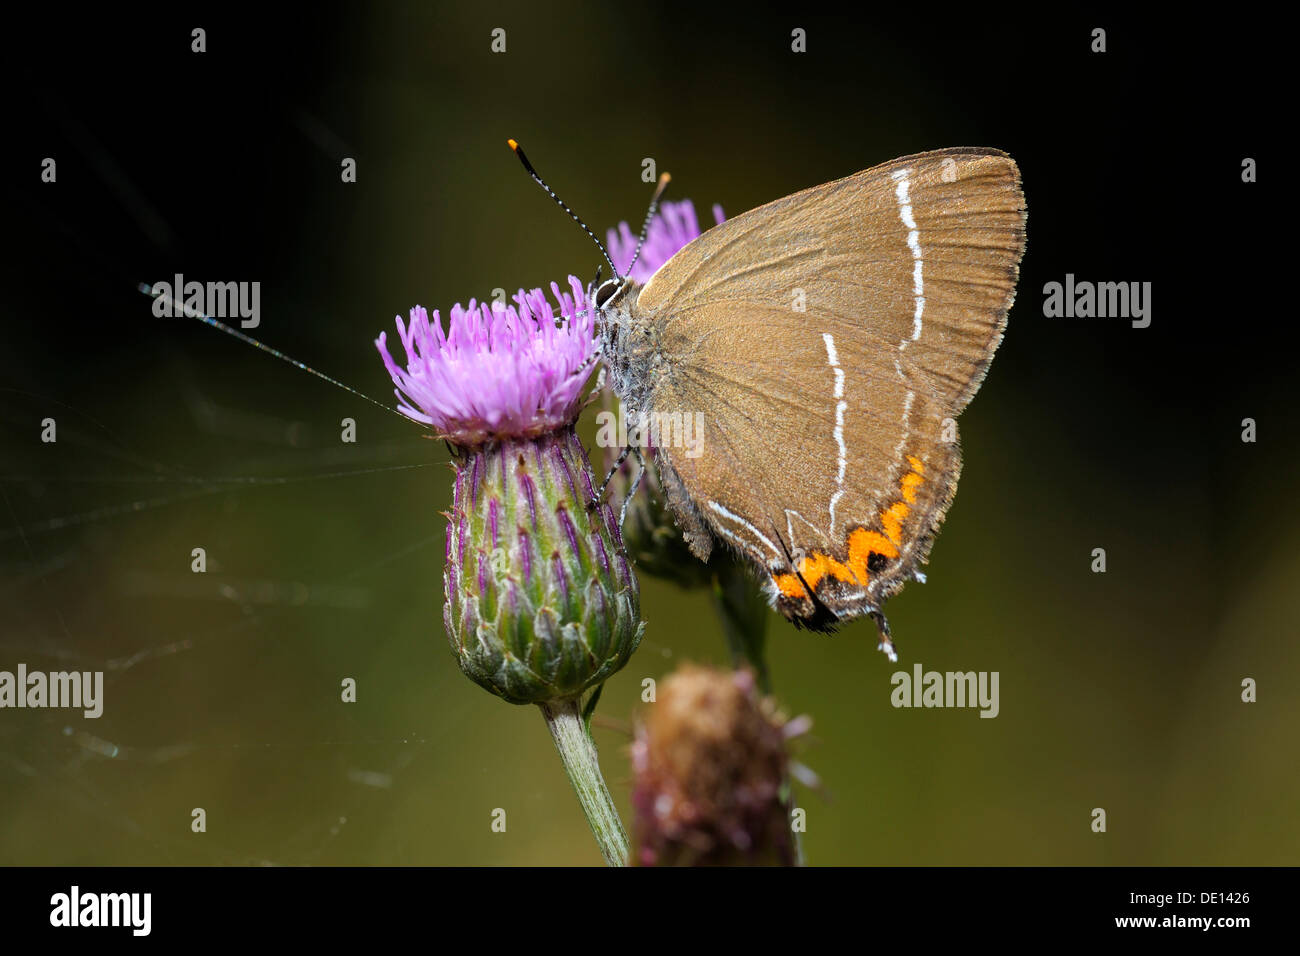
578, 753
744, 620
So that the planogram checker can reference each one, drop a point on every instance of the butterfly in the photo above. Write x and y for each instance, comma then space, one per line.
830, 339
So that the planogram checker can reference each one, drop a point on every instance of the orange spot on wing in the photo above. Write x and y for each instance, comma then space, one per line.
817, 566
911, 481
790, 585
813, 568
862, 544
892, 518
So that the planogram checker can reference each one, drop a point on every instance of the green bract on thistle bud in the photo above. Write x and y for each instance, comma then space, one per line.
541, 602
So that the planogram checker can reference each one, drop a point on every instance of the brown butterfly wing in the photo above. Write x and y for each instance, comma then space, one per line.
828, 432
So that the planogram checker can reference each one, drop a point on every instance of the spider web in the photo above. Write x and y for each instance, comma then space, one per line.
217, 680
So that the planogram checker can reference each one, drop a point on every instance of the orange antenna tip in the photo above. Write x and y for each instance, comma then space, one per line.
664, 180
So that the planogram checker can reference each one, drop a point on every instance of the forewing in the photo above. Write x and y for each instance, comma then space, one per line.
921, 252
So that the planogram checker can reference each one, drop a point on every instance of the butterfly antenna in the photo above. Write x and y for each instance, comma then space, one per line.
550, 192
664, 179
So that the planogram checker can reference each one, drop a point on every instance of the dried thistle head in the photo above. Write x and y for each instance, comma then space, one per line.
712, 769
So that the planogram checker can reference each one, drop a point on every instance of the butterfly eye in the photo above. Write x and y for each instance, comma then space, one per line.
607, 291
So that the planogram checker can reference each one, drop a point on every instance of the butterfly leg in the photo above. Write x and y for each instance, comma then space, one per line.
618, 463
594, 395
886, 645
631, 492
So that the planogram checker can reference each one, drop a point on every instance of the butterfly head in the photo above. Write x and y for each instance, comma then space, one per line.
612, 300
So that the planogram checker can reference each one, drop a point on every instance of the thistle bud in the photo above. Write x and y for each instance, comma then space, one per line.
711, 768
540, 601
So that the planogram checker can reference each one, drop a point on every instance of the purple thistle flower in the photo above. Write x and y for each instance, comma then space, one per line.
498, 371
673, 226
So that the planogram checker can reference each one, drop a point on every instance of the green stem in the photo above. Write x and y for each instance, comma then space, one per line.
744, 614
564, 718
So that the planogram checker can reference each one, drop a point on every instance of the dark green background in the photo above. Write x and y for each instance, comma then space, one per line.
1119, 690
